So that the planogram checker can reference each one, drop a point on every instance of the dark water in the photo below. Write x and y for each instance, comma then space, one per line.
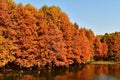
87, 72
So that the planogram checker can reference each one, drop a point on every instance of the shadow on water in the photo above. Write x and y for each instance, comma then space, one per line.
86, 72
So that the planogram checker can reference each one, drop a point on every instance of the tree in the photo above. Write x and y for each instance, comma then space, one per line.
113, 42
82, 48
61, 20
4, 17
100, 49
91, 37
52, 46
6, 50
25, 38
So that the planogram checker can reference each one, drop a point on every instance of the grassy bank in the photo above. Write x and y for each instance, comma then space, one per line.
104, 62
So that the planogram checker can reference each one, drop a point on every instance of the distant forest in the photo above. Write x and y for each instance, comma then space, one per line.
45, 37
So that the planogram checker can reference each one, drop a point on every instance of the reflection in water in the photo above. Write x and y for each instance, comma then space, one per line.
88, 72
105, 77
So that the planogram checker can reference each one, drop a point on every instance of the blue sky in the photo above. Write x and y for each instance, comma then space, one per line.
99, 15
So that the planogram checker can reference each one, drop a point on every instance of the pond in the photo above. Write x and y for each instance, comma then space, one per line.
86, 72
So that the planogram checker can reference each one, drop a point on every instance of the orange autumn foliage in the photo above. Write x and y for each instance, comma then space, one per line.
100, 49
113, 42
82, 50
46, 37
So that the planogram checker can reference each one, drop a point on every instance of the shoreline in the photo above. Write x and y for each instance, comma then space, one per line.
105, 62
13, 68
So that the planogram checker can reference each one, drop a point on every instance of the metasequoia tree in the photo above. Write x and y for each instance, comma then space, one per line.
25, 38
55, 16
61, 20
4, 17
113, 42
82, 50
91, 38
100, 49
6, 50
52, 46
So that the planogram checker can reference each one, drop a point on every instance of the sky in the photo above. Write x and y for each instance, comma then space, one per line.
101, 16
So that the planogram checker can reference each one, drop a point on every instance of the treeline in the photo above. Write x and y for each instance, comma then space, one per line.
45, 37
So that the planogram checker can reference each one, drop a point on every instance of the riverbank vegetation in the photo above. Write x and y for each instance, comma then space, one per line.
105, 62
45, 37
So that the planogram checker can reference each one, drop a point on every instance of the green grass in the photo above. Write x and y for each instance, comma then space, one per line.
104, 62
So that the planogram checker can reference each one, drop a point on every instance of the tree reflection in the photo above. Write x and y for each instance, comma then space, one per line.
29, 77
88, 72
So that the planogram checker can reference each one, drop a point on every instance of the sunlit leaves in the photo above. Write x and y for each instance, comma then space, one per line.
38, 38
113, 42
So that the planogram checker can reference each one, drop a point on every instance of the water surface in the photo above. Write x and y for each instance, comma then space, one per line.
87, 72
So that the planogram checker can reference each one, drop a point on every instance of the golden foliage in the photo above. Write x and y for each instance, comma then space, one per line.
45, 37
